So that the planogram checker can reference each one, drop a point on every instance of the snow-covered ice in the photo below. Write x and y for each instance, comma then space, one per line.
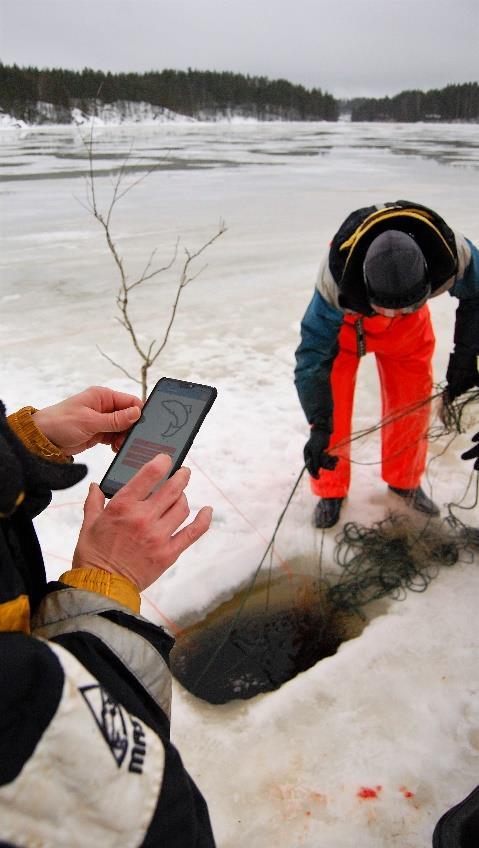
394, 711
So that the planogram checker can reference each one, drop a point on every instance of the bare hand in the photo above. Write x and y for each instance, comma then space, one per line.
96, 416
136, 535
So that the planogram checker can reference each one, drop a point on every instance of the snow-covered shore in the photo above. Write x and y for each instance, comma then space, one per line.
97, 114
121, 113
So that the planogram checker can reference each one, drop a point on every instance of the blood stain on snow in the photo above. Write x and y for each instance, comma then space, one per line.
366, 793
406, 792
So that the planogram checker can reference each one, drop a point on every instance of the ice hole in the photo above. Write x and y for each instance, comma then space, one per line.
260, 638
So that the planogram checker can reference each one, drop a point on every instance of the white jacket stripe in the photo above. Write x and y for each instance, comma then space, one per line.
92, 754
136, 653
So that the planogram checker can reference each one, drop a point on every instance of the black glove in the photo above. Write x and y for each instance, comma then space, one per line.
314, 455
27, 478
462, 374
473, 453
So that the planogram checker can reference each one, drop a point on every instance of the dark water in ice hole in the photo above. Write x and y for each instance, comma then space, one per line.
283, 629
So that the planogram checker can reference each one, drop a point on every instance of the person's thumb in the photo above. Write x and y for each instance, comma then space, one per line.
119, 420
93, 506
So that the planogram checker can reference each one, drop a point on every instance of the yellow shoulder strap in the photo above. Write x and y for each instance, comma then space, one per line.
386, 214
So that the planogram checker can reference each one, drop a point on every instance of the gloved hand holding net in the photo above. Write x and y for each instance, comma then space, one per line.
461, 375
473, 453
314, 452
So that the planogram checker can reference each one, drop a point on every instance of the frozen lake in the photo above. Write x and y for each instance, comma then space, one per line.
282, 190
395, 707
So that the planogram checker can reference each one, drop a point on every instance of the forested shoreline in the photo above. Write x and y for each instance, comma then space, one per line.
191, 93
452, 103
56, 95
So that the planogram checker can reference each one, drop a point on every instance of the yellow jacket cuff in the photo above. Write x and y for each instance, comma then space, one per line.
32, 437
114, 586
15, 615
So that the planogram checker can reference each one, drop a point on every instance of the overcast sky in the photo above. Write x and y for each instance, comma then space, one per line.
346, 47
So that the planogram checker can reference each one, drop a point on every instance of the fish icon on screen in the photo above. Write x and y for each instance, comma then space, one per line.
178, 414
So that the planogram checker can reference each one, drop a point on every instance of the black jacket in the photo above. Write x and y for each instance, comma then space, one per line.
85, 753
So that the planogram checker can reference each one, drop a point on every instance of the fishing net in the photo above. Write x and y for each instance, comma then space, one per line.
283, 622
390, 558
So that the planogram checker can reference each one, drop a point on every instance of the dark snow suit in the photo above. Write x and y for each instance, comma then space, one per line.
85, 751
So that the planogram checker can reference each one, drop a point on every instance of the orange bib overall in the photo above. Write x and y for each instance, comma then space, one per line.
403, 347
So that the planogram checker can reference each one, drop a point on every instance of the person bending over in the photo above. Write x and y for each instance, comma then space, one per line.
384, 264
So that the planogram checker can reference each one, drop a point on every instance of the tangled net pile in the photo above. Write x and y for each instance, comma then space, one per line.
389, 558
394, 556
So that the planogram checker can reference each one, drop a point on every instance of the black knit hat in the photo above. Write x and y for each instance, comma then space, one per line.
395, 271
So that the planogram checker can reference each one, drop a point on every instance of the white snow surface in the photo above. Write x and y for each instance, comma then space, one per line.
395, 708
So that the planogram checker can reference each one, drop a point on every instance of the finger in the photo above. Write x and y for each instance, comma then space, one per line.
170, 490
107, 400
121, 400
174, 517
117, 441
190, 534
93, 506
114, 422
140, 486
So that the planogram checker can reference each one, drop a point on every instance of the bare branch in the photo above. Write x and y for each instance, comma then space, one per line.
146, 269
121, 322
194, 276
222, 228
87, 206
145, 276
117, 365
184, 280
117, 184
148, 273
148, 355
92, 179
129, 326
137, 182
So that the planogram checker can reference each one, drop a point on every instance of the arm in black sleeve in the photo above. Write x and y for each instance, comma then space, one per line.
462, 373
466, 330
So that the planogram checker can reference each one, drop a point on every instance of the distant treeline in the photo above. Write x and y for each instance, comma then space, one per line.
452, 103
194, 93
207, 94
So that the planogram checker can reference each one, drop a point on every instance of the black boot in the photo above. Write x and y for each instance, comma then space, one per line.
326, 512
417, 499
